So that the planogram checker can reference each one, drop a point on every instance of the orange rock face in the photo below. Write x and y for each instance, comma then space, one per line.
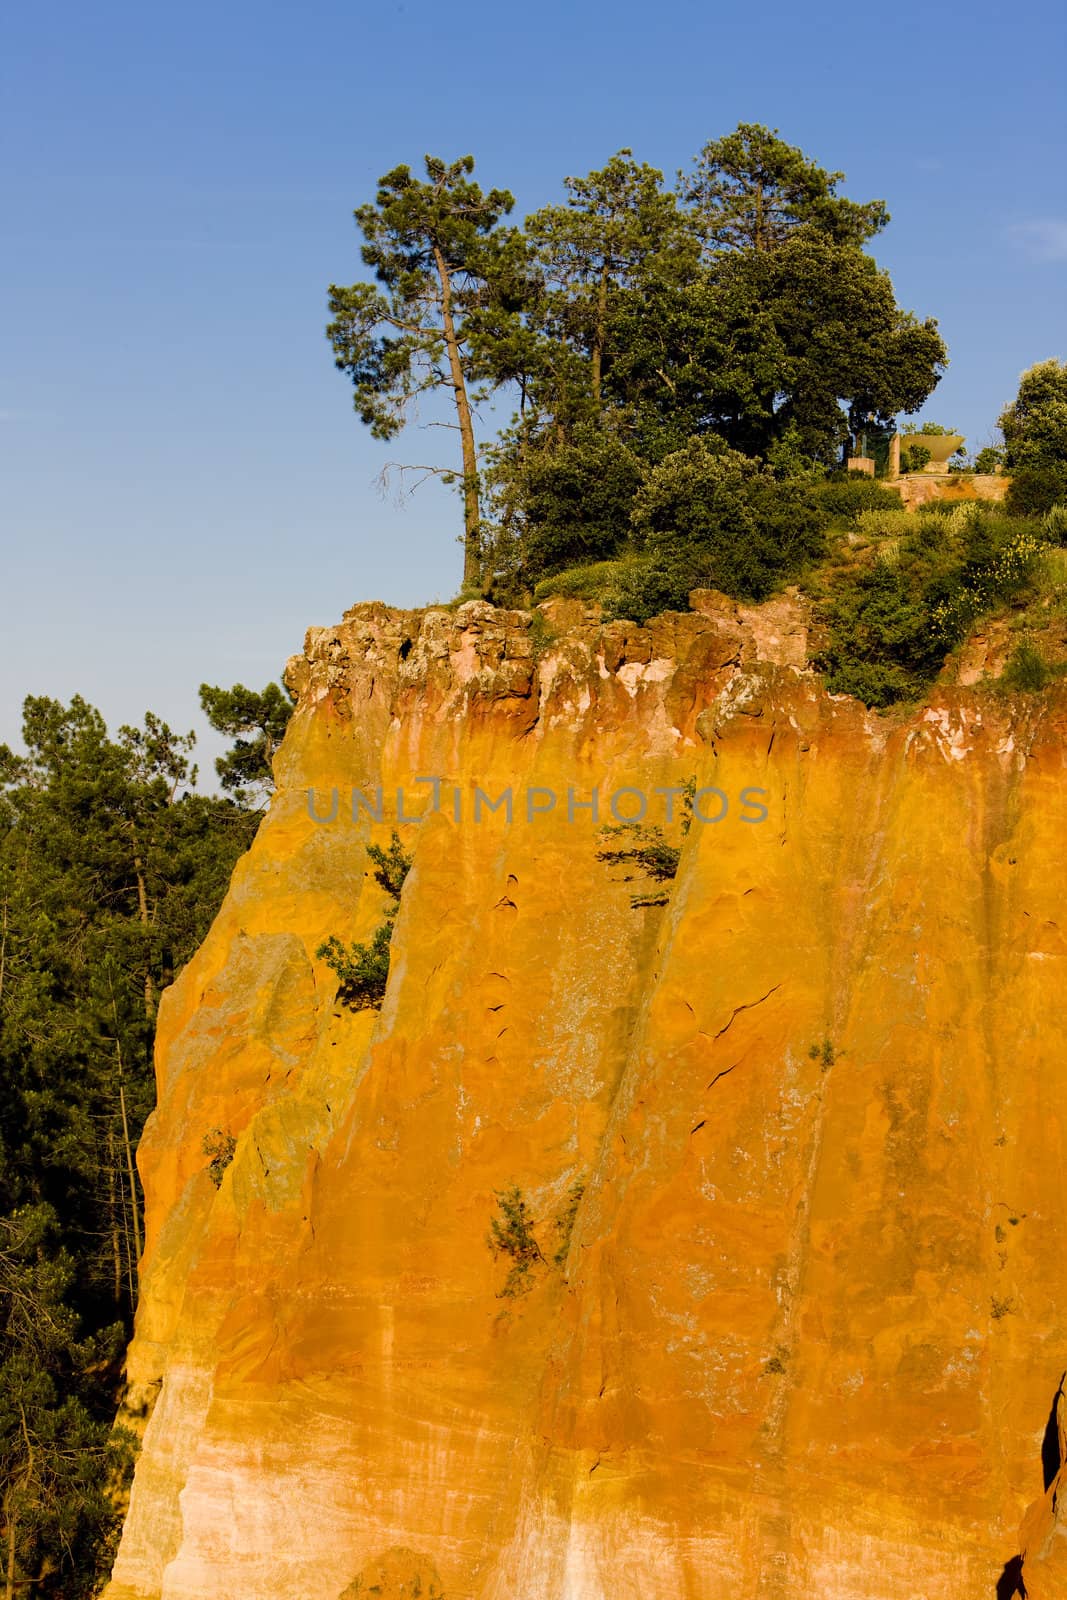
802, 1334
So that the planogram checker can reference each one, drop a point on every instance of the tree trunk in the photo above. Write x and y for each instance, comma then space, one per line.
113, 1213
472, 566
600, 332
135, 1214
142, 912
9, 1565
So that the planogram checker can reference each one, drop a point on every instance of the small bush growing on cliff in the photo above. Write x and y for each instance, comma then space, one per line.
362, 970
391, 866
511, 1234
220, 1147
648, 849
542, 634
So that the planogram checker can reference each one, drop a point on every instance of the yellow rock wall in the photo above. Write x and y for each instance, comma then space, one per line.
811, 1322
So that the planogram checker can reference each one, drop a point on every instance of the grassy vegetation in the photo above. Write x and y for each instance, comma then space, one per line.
896, 591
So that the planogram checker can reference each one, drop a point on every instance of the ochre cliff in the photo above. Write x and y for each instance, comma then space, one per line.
807, 1336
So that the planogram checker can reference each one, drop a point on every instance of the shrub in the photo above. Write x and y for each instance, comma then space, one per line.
842, 499
511, 1234
649, 851
1035, 490
1028, 671
391, 866
577, 500
362, 971
220, 1147
542, 634
885, 524
643, 588
825, 1053
591, 582
1000, 557
709, 517
1054, 524
891, 625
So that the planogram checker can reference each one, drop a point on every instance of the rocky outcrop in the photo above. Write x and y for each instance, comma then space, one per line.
807, 1317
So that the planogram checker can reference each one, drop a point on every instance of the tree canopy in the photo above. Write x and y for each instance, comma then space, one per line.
752, 191
432, 247
627, 320
256, 721
1034, 425
111, 870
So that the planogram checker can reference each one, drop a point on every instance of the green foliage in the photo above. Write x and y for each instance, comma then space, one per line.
1027, 670
1034, 425
751, 192
932, 430
1002, 554
825, 1053
1036, 488
362, 970
511, 1235
914, 458
709, 517
989, 460
257, 723
220, 1147
542, 634
617, 225
633, 325
647, 850
391, 866
577, 500
891, 624
1054, 524
111, 871
59, 1456
441, 313
844, 499
590, 582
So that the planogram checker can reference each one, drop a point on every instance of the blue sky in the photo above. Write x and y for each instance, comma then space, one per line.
184, 487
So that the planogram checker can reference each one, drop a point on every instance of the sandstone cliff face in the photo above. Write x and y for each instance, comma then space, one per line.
812, 1315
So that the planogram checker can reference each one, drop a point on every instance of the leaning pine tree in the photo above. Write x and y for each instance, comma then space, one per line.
435, 248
